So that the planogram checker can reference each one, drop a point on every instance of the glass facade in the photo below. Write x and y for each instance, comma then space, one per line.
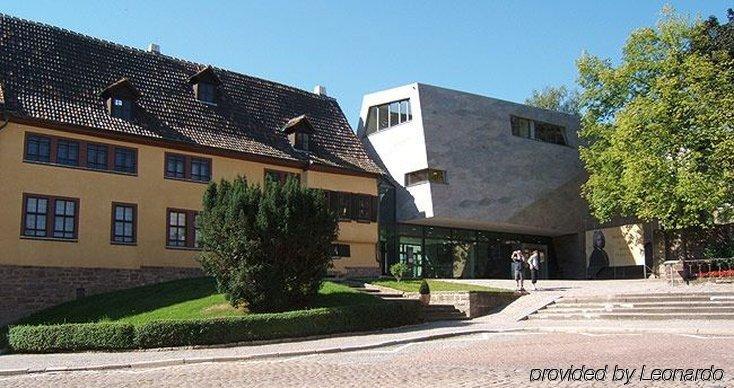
436, 252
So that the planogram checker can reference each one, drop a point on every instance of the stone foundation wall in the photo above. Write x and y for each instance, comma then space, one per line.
472, 303
25, 289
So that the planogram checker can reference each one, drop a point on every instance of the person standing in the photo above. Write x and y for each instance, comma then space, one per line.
518, 260
534, 264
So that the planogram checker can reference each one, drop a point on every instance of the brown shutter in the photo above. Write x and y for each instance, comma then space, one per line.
374, 208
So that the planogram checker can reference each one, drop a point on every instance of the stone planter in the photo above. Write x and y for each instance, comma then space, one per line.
471, 303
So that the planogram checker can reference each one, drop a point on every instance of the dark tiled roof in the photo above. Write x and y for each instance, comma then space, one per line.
56, 75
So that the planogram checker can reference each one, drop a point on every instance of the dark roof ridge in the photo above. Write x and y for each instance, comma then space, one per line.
139, 50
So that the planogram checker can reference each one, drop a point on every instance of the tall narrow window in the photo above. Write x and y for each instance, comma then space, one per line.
125, 160
38, 148
36, 209
124, 223
362, 207
97, 157
64, 218
176, 228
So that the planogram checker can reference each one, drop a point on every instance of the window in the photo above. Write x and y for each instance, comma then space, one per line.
38, 148
64, 218
280, 176
183, 229
125, 160
427, 175
97, 156
46, 216
340, 250
352, 206
206, 92
362, 206
67, 152
200, 169
187, 167
175, 166
124, 227
302, 141
121, 108
35, 217
388, 115
537, 130
79, 154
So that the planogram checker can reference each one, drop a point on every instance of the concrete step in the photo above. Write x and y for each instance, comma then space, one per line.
638, 298
644, 310
638, 316
671, 304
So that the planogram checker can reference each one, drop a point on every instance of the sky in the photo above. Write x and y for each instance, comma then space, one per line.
502, 49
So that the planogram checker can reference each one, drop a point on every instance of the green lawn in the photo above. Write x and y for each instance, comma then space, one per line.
180, 299
413, 285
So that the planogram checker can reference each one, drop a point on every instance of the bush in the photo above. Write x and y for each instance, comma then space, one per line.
424, 289
169, 333
71, 337
268, 248
399, 270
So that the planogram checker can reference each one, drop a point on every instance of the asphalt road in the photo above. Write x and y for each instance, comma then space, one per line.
486, 360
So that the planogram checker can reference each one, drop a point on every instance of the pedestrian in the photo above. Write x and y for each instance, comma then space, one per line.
534, 264
518, 260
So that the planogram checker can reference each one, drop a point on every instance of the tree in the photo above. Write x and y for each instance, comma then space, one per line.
555, 98
660, 128
713, 36
268, 248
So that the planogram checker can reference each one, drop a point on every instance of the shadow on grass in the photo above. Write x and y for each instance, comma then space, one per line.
124, 303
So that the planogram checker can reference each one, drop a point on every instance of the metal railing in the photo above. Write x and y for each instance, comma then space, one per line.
699, 269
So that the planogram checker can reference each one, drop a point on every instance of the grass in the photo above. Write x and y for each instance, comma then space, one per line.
413, 285
180, 299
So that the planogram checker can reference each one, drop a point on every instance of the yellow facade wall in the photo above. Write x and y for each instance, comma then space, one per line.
152, 193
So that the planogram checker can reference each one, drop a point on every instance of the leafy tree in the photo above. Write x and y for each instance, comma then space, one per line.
268, 248
555, 98
713, 36
660, 128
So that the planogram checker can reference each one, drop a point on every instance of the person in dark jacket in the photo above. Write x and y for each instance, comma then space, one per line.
518, 260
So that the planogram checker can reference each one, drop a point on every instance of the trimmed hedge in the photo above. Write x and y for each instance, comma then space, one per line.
71, 337
168, 333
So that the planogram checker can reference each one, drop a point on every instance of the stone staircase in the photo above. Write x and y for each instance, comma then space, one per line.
687, 306
433, 312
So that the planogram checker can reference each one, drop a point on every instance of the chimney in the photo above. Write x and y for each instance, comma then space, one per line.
154, 48
320, 90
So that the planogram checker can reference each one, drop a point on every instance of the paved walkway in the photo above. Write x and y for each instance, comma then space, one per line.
503, 321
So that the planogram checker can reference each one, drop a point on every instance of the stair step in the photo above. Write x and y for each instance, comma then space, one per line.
649, 298
671, 304
633, 315
661, 310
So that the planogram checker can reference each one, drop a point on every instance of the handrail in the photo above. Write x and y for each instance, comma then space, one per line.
699, 269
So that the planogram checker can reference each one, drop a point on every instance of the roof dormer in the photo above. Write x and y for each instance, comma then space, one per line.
206, 83
299, 131
120, 98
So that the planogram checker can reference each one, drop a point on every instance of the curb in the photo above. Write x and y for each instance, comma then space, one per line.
182, 361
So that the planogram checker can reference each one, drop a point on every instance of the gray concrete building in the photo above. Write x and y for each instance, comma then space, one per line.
471, 178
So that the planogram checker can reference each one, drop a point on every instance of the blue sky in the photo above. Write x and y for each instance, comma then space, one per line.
501, 49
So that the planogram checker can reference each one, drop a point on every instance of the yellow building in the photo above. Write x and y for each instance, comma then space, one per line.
106, 152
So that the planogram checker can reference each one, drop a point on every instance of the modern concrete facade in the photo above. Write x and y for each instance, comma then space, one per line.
484, 173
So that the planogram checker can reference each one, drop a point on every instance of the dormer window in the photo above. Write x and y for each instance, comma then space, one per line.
205, 84
120, 99
122, 108
299, 131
